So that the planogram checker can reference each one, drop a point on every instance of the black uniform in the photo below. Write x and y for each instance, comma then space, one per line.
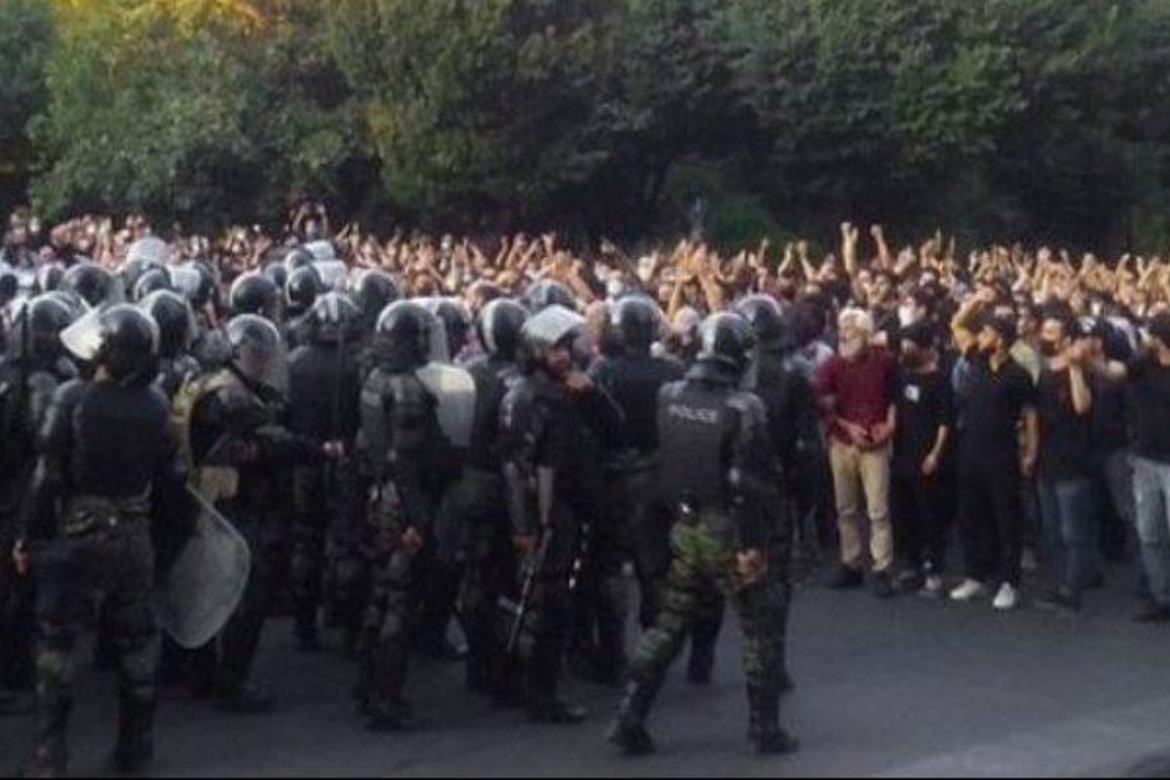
242, 452
27, 385
324, 394
407, 464
633, 527
106, 449
490, 565
548, 429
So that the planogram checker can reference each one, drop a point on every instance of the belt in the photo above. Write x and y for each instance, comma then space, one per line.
89, 514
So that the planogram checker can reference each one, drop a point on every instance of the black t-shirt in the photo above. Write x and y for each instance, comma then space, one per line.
993, 402
1149, 399
1066, 438
1110, 417
925, 404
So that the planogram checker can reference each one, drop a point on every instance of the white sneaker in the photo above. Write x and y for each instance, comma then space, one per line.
1006, 599
933, 586
969, 590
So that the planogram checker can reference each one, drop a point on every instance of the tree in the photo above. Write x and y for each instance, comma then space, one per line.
476, 107
26, 34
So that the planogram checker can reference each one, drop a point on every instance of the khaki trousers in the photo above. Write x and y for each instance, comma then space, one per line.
859, 475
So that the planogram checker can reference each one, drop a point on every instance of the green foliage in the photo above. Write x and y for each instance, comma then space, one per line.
1002, 118
26, 33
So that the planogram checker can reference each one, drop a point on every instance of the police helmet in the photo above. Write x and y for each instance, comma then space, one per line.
500, 327
768, 321
726, 339
175, 321
255, 293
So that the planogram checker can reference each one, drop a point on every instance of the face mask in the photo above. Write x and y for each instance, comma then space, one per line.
1049, 349
907, 316
913, 359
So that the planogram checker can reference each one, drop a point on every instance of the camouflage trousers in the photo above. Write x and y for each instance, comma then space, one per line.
703, 570
384, 645
110, 564
385, 640
489, 572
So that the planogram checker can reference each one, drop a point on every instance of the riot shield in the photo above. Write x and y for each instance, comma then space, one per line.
207, 581
454, 389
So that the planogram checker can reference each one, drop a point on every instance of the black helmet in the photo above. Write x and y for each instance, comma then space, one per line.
45, 317
175, 321
298, 258
636, 321
768, 321
334, 319
207, 289
93, 283
403, 334
373, 291
49, 277
257, 350
301, 290
500, 327
727, 340
255, 293
277, 273
152, 281
547, 293
123, 339
456, 322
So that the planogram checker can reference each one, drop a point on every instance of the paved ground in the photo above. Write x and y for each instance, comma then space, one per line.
908, 687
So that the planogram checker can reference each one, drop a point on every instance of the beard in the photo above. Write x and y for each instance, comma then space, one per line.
851, 348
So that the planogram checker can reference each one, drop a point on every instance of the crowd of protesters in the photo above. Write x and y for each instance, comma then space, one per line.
1021, 392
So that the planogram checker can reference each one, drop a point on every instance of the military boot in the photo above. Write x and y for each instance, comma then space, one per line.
135, 748
629, 730
764, 724
50, 756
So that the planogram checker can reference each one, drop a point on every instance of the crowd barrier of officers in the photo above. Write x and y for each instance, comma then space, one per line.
493, 467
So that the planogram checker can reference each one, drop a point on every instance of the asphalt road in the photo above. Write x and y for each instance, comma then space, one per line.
905, 687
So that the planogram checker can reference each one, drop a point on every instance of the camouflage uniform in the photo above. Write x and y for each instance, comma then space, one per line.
702, 575
106, 551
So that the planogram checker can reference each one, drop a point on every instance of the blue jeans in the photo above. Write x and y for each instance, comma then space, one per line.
1151, 485
1066, 512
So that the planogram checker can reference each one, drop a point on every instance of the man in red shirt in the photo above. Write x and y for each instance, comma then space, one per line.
857, 390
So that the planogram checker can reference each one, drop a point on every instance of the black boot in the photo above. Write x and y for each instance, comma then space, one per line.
50, 756
629, 731
764, 724
135, 749
545, 706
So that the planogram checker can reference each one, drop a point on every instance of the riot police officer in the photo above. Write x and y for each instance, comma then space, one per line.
555, 422
176, 325
792, 430
717, 470
33, 369
92, 283
324, 396
300, 293
407, 461
489, 563
240, 450
254, 293
631, 528
106, 449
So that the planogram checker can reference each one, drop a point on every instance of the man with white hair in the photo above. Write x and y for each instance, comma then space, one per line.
857, 389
